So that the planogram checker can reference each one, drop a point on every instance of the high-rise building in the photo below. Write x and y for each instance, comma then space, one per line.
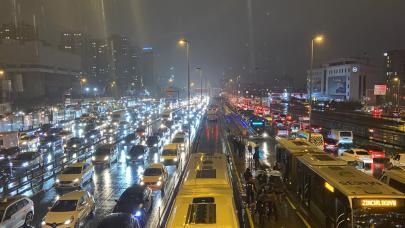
73, 42
343, 79
20, 31
394, 67
149, 81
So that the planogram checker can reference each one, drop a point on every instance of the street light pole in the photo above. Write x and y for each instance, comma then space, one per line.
186, 43
201, 83
315, 39
398, 80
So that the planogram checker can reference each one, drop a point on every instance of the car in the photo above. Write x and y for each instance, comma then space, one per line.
360, 154
137, 153
153, 141
75, 175
131, 138
141, 132
136, 200
295, 127
374, 151
27, 160
282, 131
155, 176
70, 210
331, 145
180, 140
170, 154
17, 211
50, 143
105, 154
75, 144
9, 153
93, 135
121, 220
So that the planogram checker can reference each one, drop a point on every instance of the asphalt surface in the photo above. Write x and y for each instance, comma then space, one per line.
107, 186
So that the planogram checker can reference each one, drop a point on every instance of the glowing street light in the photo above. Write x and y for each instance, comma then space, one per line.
2, 72
186, 43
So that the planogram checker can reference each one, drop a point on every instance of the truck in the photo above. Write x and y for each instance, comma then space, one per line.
8, 139
342, 136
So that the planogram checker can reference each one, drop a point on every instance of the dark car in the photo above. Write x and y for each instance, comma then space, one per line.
119, 220
331, 145
153, 141
136, 200
137, 153
130, 139
75, 144
141, 132
26, 160
9, 153
93, 135
50, 143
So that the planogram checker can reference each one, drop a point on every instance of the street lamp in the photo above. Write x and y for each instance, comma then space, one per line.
201, 84
317, 39
186, 43
2, 73
398, 80
82, 81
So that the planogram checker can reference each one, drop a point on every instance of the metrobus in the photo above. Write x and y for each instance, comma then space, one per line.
338, 195
287, 152
316, 138
395, 178
205, 198
212, 113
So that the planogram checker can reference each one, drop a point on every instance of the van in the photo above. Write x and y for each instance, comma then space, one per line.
398, 160
342, 136
316, 138
353, 161
395, 178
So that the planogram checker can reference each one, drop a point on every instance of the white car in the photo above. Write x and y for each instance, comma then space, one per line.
360, 154
16, 211
70, 210
75, 175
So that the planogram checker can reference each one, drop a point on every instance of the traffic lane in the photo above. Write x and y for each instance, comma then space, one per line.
210, 141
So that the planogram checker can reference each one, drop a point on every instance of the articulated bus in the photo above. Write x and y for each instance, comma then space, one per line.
287, 152
338, 195
205, 198
316, 138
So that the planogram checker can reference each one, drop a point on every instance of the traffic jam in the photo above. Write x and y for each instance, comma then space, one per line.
276, 119
74, 160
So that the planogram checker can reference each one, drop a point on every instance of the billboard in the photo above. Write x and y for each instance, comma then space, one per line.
380, 89
316, 84
337, 85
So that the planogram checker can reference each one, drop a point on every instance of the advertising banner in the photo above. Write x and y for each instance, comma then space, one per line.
380, 89
337, 85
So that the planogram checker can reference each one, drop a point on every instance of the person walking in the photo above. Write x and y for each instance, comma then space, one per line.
250, 191
241, 150
256, 158
247, 175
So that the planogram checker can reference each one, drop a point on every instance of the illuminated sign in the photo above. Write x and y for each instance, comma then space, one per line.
329, 187
257, 123
380, 89
378, 203
355, 69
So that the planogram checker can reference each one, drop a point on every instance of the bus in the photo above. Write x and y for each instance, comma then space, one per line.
316, 138
338, 195
287, 152
212, 113
395, 177
205, 198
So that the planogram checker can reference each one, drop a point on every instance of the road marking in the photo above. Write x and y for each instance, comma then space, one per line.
303, 219
250, 218
291, 204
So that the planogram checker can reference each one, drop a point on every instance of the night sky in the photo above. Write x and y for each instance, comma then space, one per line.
225, 41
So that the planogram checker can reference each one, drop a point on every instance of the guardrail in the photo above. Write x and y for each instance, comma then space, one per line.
35, 179
163, 218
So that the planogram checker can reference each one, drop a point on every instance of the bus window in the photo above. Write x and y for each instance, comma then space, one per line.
397, 185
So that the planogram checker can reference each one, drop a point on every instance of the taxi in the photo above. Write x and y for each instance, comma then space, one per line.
170, 154
70, 210
75, 175
155, 176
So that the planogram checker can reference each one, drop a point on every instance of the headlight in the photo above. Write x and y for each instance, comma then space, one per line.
74, 146
142, 183
175, 159
140, 156
106, 158
43, 223
160, 178
93, 158
67, 222
24, 143
25, 164
159, 183
57, 180
76, 180
138, 214
128, 157
162, 159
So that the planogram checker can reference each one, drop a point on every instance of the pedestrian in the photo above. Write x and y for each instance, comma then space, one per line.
250, 148
261, 208
276, 167
247, 175
250, 191
242, 149
256, 158
261, 177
